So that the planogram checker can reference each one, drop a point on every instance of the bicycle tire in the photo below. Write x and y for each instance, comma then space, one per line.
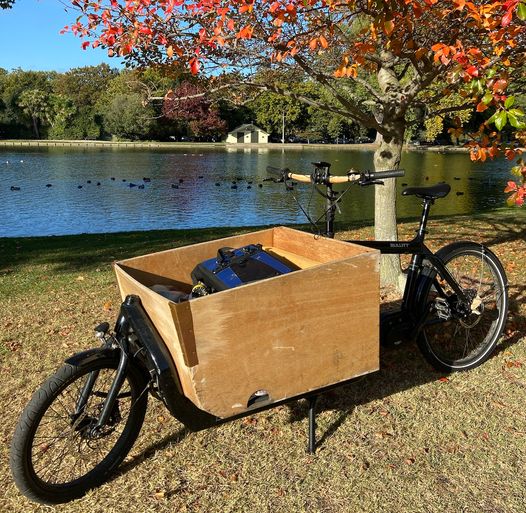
47, 433
458, 344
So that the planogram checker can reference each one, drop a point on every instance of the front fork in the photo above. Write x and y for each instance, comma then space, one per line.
120, 375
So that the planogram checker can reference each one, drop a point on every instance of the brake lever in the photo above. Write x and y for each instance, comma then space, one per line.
364, 183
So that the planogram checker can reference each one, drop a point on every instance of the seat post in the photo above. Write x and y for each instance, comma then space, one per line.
421, 233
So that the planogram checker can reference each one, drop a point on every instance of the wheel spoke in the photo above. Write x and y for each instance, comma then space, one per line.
467, 336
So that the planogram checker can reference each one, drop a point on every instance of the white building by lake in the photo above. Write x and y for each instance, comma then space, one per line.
247, 134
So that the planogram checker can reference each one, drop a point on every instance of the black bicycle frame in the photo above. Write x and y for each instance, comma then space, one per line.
415, 247
137, 337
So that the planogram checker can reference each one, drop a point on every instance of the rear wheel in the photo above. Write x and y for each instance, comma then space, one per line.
460, 336
57, 455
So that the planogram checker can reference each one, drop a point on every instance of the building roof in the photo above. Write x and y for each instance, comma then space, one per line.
248, 127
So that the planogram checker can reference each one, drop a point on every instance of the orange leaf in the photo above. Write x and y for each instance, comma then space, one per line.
389, 27
512, 186
481, 107
323, 42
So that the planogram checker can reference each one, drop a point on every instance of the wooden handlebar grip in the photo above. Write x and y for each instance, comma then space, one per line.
300, 178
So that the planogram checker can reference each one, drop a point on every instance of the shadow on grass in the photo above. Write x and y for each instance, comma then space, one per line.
71, 253
401, 368
83, 252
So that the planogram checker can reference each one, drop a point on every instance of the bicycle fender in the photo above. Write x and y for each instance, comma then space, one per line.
94, 354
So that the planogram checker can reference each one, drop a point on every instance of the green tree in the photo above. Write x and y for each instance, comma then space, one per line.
272, 111
15, 120
84, 86
36, 104
128, 117
62, 111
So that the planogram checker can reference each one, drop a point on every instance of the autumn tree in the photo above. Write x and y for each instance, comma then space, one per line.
396, 51
188, 105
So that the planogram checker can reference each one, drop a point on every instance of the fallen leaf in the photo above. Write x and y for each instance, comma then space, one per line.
159, 495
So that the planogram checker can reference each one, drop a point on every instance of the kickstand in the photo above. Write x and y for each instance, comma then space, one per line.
311, 449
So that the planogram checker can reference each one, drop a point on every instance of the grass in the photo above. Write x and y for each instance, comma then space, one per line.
399, 440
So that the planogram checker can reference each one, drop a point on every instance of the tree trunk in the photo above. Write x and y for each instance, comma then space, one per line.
387, 156
35, 127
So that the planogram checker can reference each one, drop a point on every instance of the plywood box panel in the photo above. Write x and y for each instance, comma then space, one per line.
285, 335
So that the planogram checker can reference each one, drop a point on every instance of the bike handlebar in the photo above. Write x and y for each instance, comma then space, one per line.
352, 176
380, 175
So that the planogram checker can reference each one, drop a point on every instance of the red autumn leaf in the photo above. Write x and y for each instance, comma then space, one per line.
500, 85
510, 154
512, 186
506, 19
194, 65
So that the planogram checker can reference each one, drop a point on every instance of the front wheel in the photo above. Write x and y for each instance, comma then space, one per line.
56, 454
459, 336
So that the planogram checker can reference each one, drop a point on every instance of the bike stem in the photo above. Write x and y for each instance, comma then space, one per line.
322, 169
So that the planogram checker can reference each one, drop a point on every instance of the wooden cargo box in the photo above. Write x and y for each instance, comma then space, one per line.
282, 336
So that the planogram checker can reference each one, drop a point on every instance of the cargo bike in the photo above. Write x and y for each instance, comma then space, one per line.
229, 354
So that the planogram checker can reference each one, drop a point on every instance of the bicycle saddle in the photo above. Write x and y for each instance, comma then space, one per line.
440, 190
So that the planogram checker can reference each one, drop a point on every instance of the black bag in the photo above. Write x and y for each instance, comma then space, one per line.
234, 267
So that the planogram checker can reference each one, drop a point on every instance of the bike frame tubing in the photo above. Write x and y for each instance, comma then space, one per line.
415, 247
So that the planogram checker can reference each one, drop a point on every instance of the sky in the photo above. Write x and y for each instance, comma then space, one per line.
30, 39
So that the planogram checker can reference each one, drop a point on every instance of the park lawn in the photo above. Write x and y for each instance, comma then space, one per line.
404, 439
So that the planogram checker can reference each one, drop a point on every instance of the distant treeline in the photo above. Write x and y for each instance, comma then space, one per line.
99, 102
102, 103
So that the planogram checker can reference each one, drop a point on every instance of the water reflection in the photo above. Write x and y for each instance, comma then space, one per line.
183, 191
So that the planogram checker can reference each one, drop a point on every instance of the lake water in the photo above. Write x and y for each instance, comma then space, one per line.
55, 197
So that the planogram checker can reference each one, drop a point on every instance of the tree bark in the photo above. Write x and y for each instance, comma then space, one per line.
35, 127
387, 156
